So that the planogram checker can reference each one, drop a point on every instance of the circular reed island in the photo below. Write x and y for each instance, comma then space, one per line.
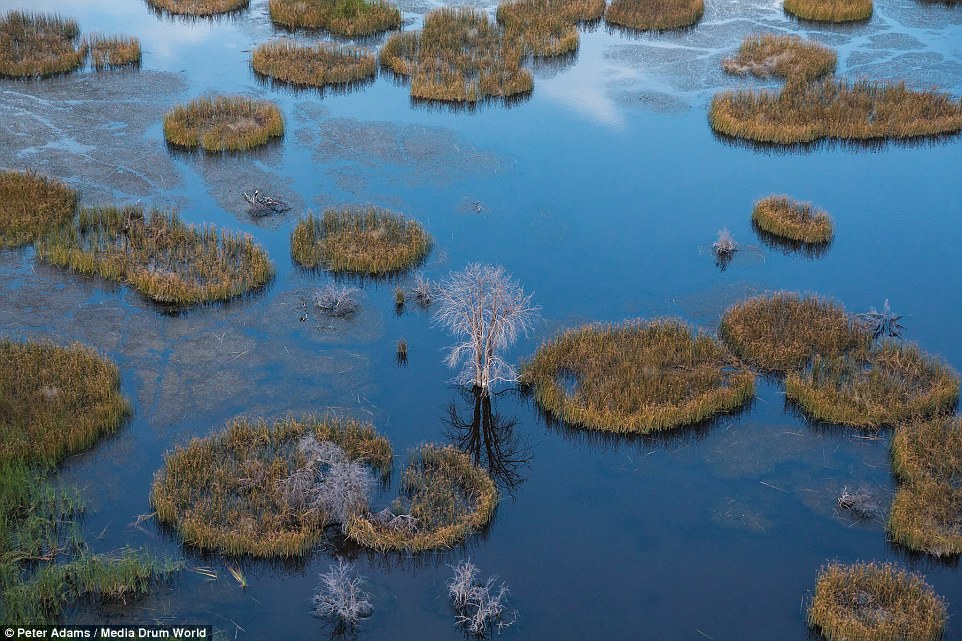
113, 52
890, 384
638, 377
319, 65
654, 15
830, 10
788, 219
39, 45
31, 205
223, 123
546, 28
368, 240
875, 602
55, 401
197, 7
342, 17
783, 56
158, 255
444, 498
269, 489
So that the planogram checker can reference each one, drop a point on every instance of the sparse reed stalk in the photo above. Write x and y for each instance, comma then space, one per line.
113, 52
32, 205
34, 44
830, 10
547, 27
198, 7
223, 123
654, 15
317, 65
342, 17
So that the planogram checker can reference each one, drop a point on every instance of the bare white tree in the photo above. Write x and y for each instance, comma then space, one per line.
341, 594
487, 310
479, 605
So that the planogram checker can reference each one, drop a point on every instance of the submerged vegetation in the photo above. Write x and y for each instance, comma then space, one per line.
31, 205
783, 56
39, 45
367, 240
655, 15
830, 10
342, 17
313, 65
547, 27
158, 255
223, 123
198, 7
875, 602
636, 377
112, 52
793, 220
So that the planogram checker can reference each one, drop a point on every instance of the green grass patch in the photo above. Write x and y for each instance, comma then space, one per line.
792, 220
830, 10
197, 7
546, 28
34, 44
113, 52
32, 205
654, 15
223, 123
638, 377
317, 65
342, 17
783, 56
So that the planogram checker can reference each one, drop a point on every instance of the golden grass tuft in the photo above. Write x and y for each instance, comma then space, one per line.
367, 240
225, 492
55, 401
781, 216
223, 123
319, 65
32, 205
112, 52
890, 384
830, 10
460, 56
36, 44
547, 27
198, 7
875, 602
444, 498
654, 15
158, 255
783, 56
637, 377
342, 17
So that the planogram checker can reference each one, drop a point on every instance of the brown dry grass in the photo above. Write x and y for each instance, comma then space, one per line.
112, 52
198, 7
781, 216
313, 66
654, 15
223, 123
830, 10
38, 45
32, 205
343, 17
783, 56
547, 27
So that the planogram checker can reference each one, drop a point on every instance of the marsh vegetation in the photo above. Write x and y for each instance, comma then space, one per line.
792, 221
782, 56
113, 52
31, 205
197, 7
830, 10
545, 28
654, 15
317, 65
343, 17
223, 123
479, 604
34, 44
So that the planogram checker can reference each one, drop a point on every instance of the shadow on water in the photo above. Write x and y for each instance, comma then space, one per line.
868, 145
787, 246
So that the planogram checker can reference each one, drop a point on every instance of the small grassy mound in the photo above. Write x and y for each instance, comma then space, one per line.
785, 330
459, 56
793, 220
875, 602
158, 255
112, 52
654, 15
547, 27
32, 205
39, 45
313, 66
444, 498
223, 123
229, 491
197, 7
636, 377
890, 384
830, 10
367, 241
343, 17
782, 56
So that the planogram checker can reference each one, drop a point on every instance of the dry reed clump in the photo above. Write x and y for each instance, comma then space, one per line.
34, 44
223, 123
654, 15
198, 7
875, 602
460, 56
782, 56
313, 66
785, 330
830, 10
361, 240
32, 205
927, 512
158, 255
547, 27
781, 216
636, 377
238, 491
444, 498
113, 52
342, 17
55, 401
889, 384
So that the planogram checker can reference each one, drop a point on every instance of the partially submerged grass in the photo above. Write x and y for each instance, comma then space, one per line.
782, 56
875, 602
229, 491
36, 44
112, 52
313, 65
198, 7
797, 221
444, 498
223, 123
32, 205
159, 255
654, 15
360, 240
342, 17
547, 27
830, 10
636, 377
890, 384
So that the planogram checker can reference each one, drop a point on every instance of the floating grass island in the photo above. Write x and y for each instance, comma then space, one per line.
638, 377
875, 602
223, 123
654, 15
547, 27
360, 240
32, 205
197, 7
444, 498
158, 255
39, 45
343, 17
113, 52
317, 65
233, 491
890, 384
830, 10
783, 56
792, 220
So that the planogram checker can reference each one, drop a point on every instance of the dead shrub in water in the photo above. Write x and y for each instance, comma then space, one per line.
636, 377
479, 605
547, 27
875, 602
360, 240
830, 10
39, 45
890, 384
158, 255
783, 56
237, 491
317, 65
341, 595
785, 330
342, 17
223, 123
198, 7
31, 205
337, 301
860, 503
112, 52
654, 15
787, 218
